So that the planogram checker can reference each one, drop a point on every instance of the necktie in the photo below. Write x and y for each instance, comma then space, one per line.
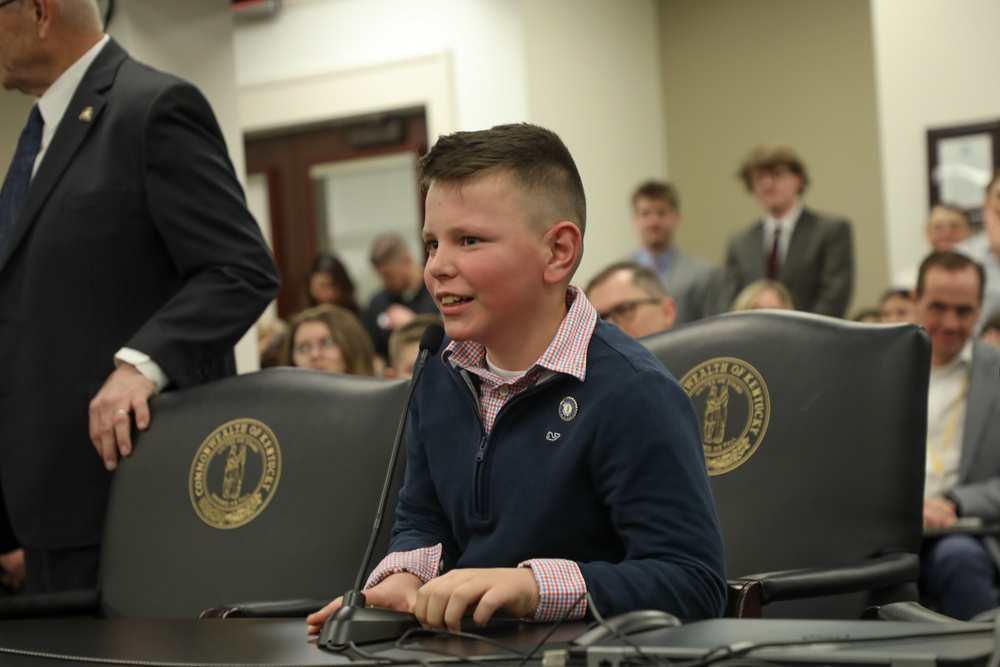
774, 261
15, 185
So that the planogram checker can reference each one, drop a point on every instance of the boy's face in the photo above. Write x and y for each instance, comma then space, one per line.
486, 259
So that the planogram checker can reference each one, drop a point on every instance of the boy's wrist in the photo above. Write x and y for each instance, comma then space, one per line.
561, 589
423, 563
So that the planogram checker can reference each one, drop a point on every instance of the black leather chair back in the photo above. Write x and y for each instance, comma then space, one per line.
253, 488
814, 431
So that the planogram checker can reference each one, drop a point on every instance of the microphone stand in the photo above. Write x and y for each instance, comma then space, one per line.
355, 623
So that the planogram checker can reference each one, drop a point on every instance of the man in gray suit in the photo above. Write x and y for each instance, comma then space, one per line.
810, 254
963, 431
693, 282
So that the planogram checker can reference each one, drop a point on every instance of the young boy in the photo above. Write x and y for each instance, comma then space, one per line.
548, 453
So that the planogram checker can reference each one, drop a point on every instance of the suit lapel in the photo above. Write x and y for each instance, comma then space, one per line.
81, 115
982, 397
756, 261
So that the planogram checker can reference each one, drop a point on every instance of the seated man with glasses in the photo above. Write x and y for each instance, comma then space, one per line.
631, 296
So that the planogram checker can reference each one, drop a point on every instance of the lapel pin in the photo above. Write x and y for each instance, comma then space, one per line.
87, 114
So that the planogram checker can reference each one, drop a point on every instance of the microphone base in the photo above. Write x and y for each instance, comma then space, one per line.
364, 625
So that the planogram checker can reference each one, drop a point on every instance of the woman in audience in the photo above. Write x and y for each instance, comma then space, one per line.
329, 338
329, 283
763, 294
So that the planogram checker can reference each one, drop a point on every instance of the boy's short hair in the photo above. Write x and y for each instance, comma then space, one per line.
948, 260
536, 160
411, 332
659, 191
643, 277
770, 157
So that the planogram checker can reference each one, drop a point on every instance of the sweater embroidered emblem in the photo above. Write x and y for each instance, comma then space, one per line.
568, 408
552, 436
734, 408
235, 473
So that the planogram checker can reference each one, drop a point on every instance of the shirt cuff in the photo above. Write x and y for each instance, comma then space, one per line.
561, 589
423, 562
145, 365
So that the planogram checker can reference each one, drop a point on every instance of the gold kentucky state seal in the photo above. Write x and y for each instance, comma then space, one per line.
235, 473
733, 405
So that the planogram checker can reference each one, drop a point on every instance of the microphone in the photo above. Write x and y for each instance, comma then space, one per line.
354, 623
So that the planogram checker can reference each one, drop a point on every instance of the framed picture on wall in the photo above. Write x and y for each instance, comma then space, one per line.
961, 160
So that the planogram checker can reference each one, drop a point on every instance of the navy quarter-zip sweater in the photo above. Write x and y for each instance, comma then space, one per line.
619, 487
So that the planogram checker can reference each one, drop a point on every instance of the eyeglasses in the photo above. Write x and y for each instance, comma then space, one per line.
324, 345
4, 3
625, 311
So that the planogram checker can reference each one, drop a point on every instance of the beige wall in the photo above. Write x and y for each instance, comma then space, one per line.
594, 77
738, 73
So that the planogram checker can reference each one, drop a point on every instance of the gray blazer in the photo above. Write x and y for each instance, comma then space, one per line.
818, 269
978, 490
692, 282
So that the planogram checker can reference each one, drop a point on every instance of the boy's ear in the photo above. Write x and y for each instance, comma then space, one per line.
565, 243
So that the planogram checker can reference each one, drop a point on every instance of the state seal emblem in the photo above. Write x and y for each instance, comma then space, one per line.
734, 408
235, 473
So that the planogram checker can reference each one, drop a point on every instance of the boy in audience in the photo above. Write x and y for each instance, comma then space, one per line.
809, 253
404, 345
548, 454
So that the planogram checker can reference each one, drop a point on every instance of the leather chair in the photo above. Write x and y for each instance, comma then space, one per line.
260, 487
814, 431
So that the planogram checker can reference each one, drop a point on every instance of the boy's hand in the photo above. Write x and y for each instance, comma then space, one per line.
397, 591
442, 602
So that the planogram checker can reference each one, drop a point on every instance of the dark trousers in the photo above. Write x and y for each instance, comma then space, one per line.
51, 570
957, 576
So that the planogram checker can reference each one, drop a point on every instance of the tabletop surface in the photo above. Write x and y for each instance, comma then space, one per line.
261, 642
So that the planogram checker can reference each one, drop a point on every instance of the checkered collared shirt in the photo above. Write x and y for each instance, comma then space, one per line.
560, 584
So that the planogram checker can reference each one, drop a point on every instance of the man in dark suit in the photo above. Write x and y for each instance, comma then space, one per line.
810, 254
130, 264
958, 575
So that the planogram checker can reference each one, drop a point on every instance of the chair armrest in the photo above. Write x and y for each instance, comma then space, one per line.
876, 573
85, 602
277, 609
906, 611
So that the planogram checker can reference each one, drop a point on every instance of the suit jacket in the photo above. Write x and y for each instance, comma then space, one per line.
818, 268
691, 281
134, 233
978, 490
694, 284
